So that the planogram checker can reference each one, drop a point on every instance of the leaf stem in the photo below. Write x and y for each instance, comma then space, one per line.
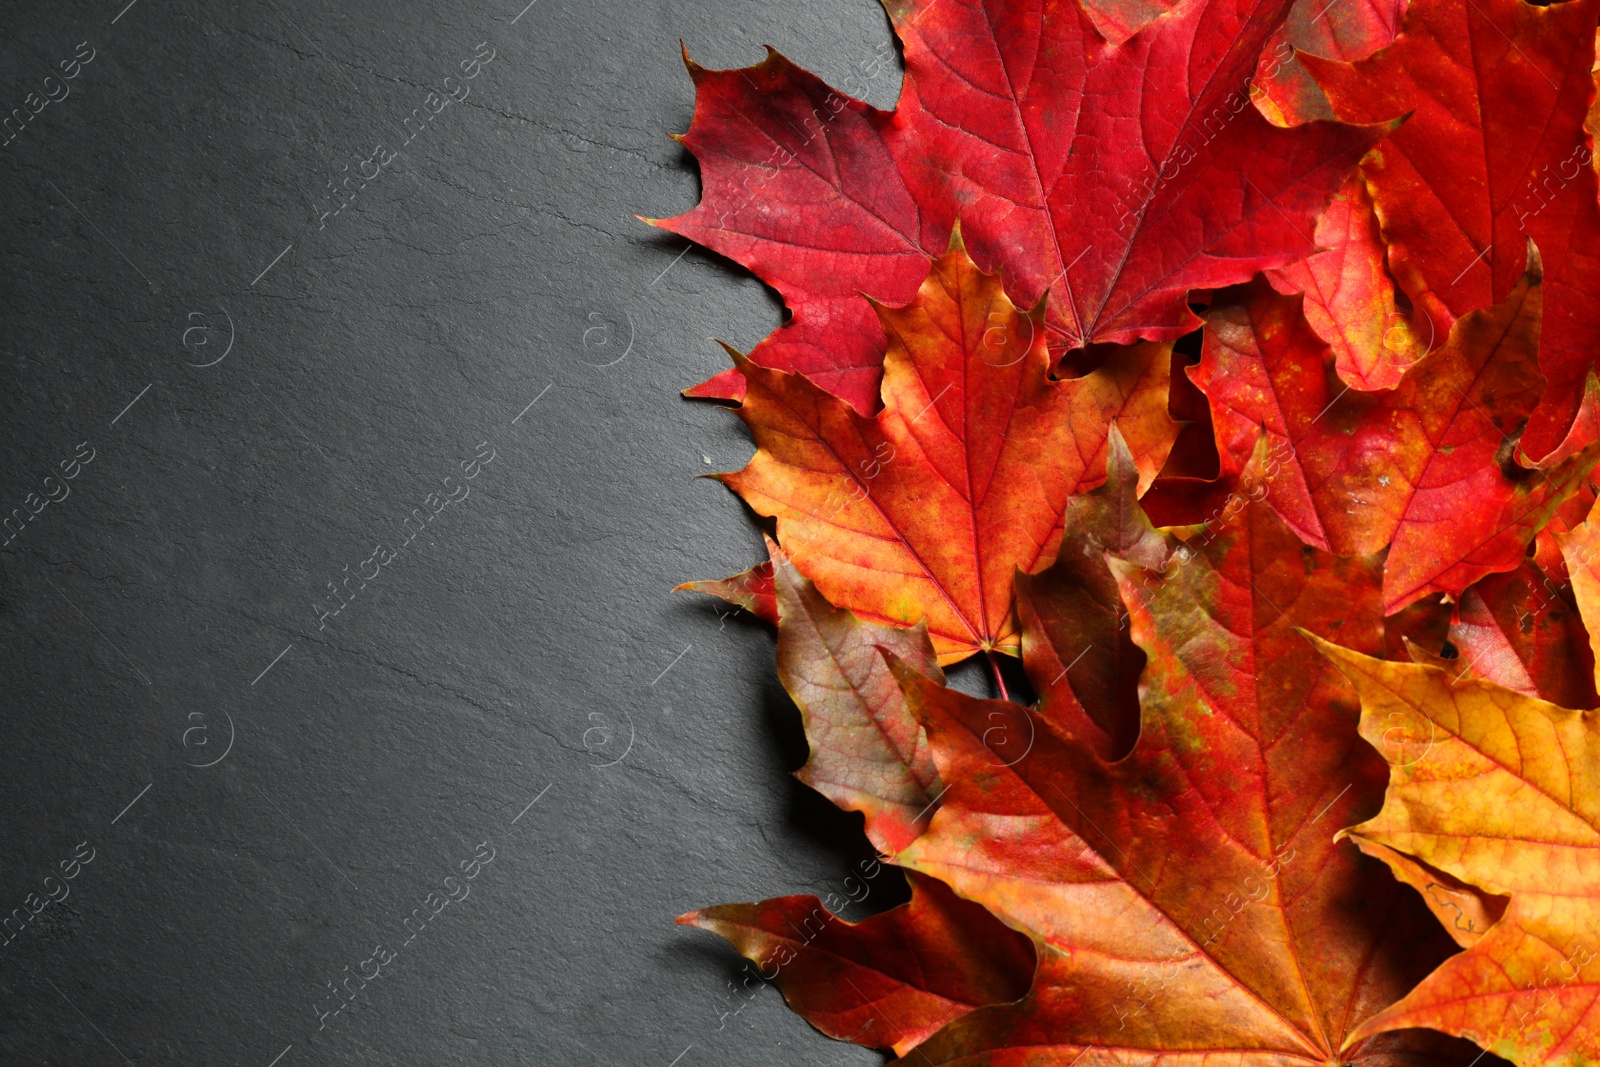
994, 665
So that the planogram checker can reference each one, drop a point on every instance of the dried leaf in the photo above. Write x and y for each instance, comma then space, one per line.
1097, 177
1189, 900
1349, 296
1430, 468
927, 510
1076, 644
750, 589
1518, 631
1283, 89
1493, 155
1501, 792
867, 752
890, 981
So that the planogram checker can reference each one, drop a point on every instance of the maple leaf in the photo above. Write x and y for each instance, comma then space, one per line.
1591, 122
1494, 154
928, 509
1430, 468
1580, 550
750, 589
1076, 644
1424, 623
1117, 176
890, 981
1117, 20
1349, 296
1465, 912
1499, 793
1283, 89
1520, 632
867, 752
1190, 899
1573, 511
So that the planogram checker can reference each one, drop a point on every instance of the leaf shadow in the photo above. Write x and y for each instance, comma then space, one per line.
825, 829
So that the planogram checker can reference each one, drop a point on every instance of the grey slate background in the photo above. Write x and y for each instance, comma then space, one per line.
166, 611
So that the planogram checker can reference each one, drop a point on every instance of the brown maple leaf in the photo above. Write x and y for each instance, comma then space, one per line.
867, 752
1076, 644
889, 981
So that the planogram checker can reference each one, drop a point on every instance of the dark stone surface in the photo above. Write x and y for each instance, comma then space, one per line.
164, 614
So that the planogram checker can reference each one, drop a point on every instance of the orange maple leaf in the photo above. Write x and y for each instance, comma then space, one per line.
1495, 793
928, 509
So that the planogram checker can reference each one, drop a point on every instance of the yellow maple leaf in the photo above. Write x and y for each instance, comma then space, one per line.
1493, 813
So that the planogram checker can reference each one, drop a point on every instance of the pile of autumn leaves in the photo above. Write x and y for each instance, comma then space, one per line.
1230, 363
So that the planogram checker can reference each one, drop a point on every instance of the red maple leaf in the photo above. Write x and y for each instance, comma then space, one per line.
890, 981
1430, 468
1494, 152
1334, 29
1520, 631
1114, 177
